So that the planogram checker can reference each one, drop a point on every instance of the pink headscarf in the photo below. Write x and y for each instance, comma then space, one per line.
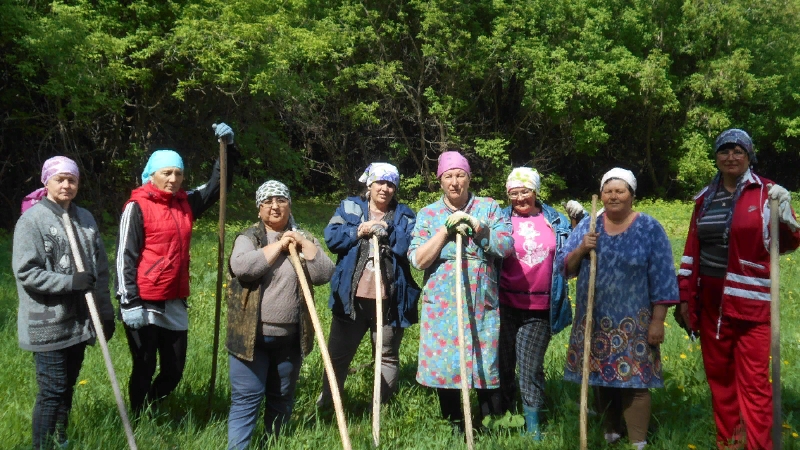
50, 168
452, 160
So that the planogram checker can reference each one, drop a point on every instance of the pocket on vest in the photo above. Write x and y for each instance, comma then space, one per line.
154, 272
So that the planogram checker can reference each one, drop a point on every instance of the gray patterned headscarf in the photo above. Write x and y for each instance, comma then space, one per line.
273, 188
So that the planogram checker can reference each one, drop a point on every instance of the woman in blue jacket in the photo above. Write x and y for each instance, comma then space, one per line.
533, 294
352, 300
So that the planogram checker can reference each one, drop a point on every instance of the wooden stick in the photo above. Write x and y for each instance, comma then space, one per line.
587, 333
326, 357
223, 194
376, 383
775, 322
462, 346
98, 328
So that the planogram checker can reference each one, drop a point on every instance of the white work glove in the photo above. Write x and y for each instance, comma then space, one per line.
133, 314
462, 223
222, 130
575, 210
779, 193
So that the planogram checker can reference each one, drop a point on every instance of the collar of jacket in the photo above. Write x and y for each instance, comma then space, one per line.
157, 195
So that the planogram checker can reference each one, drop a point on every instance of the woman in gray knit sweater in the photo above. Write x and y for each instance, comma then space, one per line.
268, 327
53, 319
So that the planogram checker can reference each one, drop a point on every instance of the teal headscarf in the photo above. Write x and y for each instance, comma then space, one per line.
160, 159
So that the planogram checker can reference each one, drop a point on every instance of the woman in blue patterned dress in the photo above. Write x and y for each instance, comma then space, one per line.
634, 286
433, 250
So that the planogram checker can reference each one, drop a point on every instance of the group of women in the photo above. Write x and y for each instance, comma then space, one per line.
514, 266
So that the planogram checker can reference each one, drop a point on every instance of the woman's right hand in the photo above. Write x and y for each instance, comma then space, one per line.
589, 242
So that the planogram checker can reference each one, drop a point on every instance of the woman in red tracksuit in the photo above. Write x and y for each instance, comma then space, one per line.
725, 288
153, 269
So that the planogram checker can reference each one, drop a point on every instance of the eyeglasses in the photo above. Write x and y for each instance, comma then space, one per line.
280, 201
520, 194
734, 153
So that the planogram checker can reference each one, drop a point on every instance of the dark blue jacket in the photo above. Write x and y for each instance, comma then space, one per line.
341, 236
560, 309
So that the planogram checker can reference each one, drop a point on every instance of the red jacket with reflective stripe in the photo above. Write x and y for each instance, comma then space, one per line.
746, 289
163, 267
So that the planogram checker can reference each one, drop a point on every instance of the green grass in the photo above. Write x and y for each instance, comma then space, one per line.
681, 414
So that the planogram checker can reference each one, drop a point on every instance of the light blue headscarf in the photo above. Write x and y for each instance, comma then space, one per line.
160, 159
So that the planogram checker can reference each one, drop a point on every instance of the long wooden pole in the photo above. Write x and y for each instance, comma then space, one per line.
326, 357
98, 328
462, 346
223, 195
587, 333
775, 322
376, 382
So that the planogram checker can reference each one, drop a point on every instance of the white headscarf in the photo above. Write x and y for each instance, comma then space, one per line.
623, 174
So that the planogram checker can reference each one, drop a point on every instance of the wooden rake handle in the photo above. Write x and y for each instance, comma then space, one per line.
587, 333
775, 322
98, 327
376, 382
323, 349
462, 346
223, 195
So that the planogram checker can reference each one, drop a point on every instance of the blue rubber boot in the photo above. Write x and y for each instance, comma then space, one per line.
532, 422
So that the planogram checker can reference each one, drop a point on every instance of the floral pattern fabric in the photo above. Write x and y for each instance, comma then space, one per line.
634, 272
438, 349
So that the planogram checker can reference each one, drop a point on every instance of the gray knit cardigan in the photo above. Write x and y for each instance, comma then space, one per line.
51, 316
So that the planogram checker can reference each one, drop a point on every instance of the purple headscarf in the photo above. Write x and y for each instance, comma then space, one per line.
50, 168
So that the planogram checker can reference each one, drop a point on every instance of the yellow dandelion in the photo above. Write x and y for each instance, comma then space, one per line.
683, 355
686, 337
224, 285
787, 426
208, 264
680, 387
82, 382
692, 446
566, 345
794, 435
666, 324
786, 362
666, 357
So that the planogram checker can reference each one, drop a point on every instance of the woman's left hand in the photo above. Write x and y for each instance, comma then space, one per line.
655, 334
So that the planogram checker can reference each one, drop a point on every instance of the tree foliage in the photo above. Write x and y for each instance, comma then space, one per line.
317, 90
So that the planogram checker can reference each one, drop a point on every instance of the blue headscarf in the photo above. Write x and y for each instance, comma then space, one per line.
160, 159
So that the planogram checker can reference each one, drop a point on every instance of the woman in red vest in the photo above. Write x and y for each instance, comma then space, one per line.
153, 270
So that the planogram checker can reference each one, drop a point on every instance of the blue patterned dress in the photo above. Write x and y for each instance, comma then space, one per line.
634, 272
438, 347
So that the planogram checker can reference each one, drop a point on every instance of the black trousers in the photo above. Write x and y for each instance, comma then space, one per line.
147, 344
489, 401
56, 374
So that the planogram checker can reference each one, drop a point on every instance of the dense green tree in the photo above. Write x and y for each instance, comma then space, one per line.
316, 90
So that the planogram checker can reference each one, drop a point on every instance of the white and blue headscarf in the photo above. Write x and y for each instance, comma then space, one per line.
380, 172
274, 188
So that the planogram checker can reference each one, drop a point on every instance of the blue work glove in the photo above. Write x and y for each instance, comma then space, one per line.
784, 198
222, 130
133, 314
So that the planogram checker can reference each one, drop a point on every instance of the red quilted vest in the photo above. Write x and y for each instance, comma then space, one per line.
163, 268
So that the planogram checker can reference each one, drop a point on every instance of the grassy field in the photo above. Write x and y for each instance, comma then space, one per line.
681, 416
